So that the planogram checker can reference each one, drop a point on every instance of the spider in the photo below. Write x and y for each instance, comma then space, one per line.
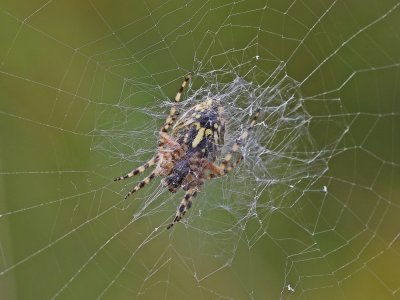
186, 157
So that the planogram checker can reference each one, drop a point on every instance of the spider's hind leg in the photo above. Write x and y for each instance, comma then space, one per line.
140, 169
141, 184
186, 203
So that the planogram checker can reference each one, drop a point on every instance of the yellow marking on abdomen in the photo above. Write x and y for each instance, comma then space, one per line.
198, 137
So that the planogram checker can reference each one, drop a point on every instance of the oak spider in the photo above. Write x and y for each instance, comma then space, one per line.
186, 157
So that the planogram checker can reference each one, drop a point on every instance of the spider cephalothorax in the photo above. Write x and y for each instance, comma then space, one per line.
186, 157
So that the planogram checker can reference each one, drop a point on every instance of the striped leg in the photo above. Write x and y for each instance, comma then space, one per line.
226, 165
166, 139
180, 92
141, 184
186, 203
215, 170
140, 169
173, 114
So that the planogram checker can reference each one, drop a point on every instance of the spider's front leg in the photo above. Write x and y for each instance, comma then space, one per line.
226, 165
186, 203
173, 113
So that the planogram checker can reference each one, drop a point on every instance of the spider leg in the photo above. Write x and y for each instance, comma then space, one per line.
226, 165
140, 169
215, 170
175, 149
173, 114
166, 139
186, 203
141, 184
180, 92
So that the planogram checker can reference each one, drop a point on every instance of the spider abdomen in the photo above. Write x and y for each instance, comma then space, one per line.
201, 129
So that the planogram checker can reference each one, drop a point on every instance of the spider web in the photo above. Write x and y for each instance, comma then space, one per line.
310, 213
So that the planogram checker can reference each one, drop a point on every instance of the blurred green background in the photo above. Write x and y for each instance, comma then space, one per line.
81, 90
